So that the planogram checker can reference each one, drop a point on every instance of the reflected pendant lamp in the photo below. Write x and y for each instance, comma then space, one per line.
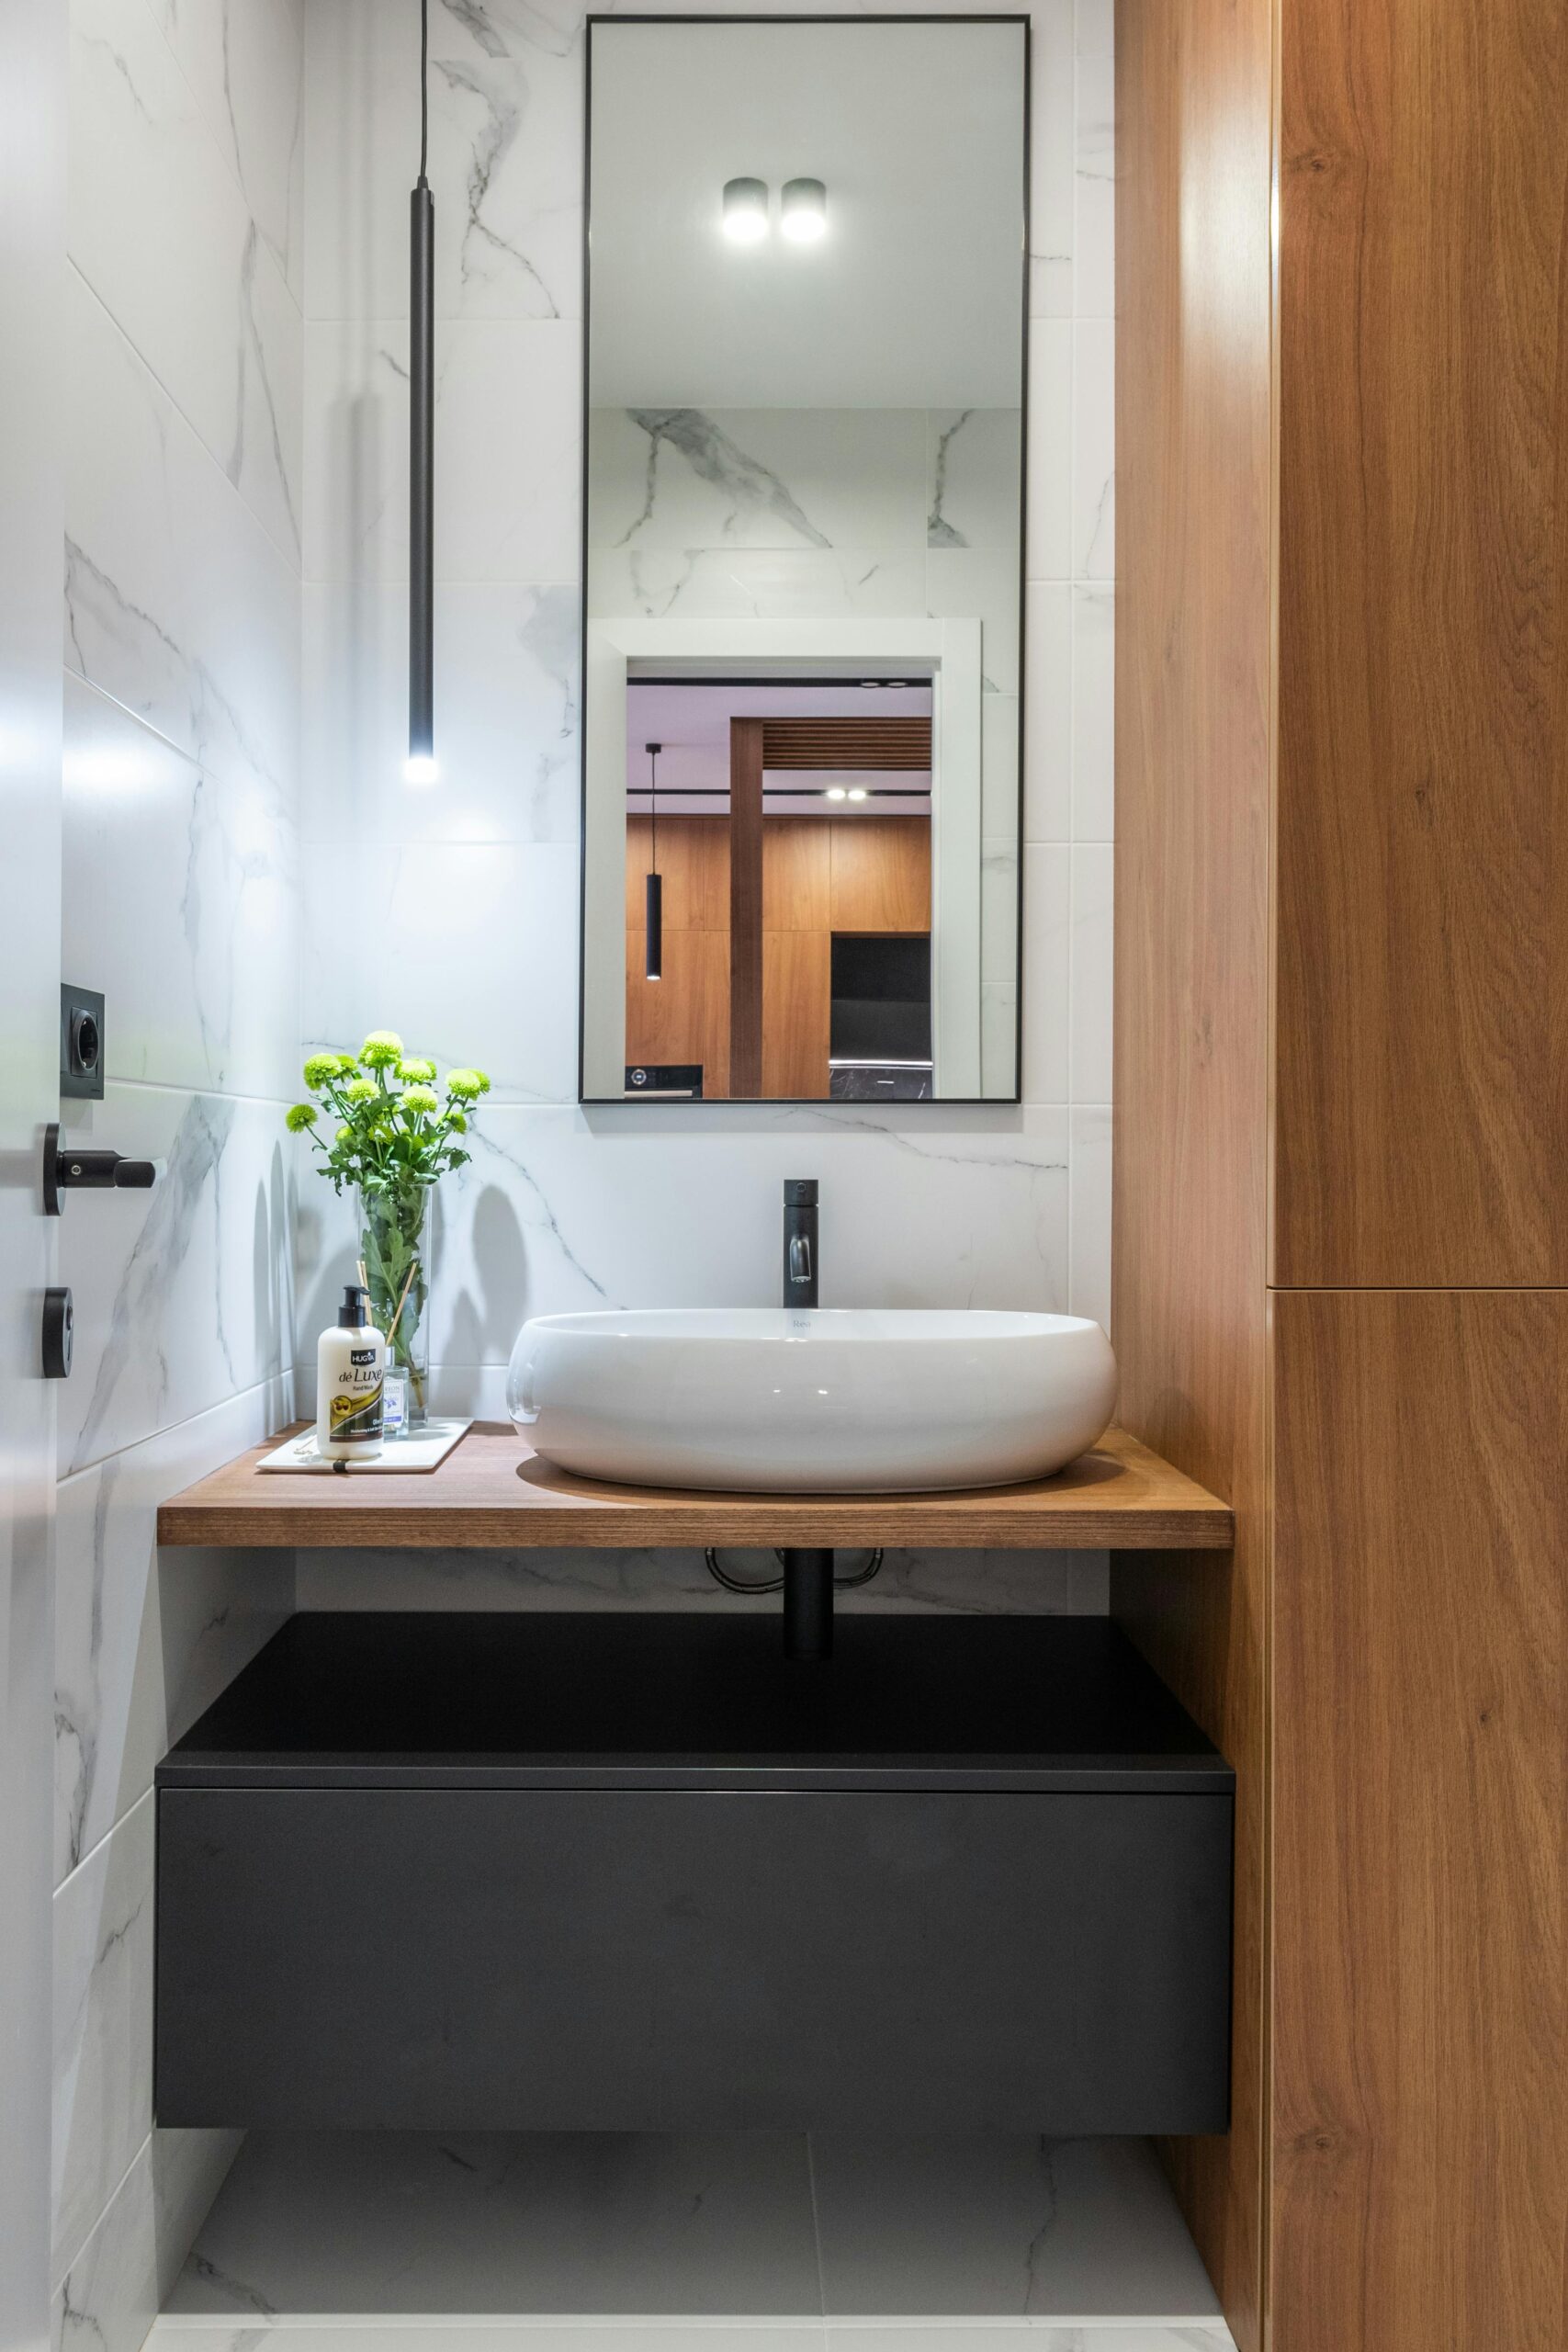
421, 766
653, 966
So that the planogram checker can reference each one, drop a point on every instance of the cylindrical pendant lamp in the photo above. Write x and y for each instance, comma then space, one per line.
653, 918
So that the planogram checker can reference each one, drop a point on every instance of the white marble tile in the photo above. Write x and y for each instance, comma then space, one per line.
998, 908
677, 480
143, 1640
507, 444
980, 583
360, 2332
1095, 30
1004, 2227
566, 1209
506, 717
909, 1584
1051, 221
505, 157
973, 479
1049, 518
1047, 978
1094, 460
998, 1039
183, 1292
473, 961
110, 2295
999, 764
178, 604
159, 229
554, 2222
245, 60
180, 888
1088, 1286
1049, 714
817, 584
103, 2027
1093, 975
1094, 714
1094, 251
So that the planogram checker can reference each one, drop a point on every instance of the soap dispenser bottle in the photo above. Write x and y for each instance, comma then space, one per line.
351, 1364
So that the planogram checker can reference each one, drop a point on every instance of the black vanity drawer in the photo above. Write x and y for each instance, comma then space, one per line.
624, 1959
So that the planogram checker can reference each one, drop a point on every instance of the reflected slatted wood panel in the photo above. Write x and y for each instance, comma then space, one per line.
904, 743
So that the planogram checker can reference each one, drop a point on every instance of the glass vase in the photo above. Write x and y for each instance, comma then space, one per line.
394, 1241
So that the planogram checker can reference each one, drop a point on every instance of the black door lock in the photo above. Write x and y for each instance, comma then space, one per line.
68, 1171
59, 1334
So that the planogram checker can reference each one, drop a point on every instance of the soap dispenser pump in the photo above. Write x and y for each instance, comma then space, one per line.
351, 1363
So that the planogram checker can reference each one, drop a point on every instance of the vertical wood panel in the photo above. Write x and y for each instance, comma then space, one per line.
1423, 830
798, 986
1421, 1821
694, 858
1193, 718
881, 873
745, 907
684, 1017
794, 873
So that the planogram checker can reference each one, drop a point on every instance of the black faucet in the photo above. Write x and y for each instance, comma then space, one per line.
800, 1242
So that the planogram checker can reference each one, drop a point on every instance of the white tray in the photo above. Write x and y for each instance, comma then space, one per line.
432, 1446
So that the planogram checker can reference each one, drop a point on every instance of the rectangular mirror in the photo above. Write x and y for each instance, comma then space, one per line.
805, 392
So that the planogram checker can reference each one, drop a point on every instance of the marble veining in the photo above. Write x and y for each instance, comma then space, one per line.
748, 487
500, 116
940, 532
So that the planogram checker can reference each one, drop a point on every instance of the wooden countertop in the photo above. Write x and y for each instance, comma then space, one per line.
492, 1494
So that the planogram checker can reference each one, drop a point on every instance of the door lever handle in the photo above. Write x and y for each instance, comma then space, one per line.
70, 1171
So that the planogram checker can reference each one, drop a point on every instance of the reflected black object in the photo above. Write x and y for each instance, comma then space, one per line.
879, 1082
882, 997
653, 966
675, 1079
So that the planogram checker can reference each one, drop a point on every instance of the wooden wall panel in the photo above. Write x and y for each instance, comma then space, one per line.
1423, 831
797, 981
694, 858
1193, 750
1421, 1821
794, 873
746, 906
684, 1017
881, 873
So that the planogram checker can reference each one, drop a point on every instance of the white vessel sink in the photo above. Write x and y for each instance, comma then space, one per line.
814, 1400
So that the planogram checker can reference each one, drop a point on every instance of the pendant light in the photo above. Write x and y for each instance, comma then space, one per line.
653, 966
421, 765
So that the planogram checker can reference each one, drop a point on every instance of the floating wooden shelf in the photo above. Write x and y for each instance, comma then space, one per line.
492, 1494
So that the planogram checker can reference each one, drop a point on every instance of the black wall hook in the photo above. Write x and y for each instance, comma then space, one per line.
68, 1171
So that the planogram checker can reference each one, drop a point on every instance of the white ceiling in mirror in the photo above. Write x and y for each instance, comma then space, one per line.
912, 298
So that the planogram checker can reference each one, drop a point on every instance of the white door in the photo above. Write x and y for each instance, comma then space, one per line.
32, 266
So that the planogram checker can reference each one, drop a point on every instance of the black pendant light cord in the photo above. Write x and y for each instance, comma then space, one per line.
423, 86
652, 810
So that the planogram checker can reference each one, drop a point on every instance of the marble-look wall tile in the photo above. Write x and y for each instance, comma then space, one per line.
1052, 205
1094, 460
508, 436
508, 702
1089, 1286
1050, 717
182, 1292
677, 480
505, 156
117, 2281
180, 891
909, 1583
980, 583
1047, 972
1094, 714
103, 2026
1094, 168
1093, 891
245, 60
178, 604
973, 478
675, 1206
473, 944
1049, 517
144, 1640
999, 810
160, 230
705, 584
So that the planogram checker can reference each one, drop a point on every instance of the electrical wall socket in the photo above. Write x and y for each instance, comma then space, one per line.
81, 1044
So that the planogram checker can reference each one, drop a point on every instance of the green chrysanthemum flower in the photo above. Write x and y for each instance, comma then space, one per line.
299, 1115
456, 1122
322, 1067
468, 1085
344, 1135
420, 1098
382, 1049
420, 1072
361, 1090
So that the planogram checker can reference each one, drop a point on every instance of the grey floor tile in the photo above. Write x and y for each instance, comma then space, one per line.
459, 2334
554, 2224
1027, 2336
1002, 2228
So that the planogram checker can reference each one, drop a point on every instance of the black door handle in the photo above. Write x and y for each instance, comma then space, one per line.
70, 1171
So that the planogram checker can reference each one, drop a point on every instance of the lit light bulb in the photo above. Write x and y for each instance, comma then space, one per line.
420, 767
858, 793
803, 211
835, 792
745, 211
